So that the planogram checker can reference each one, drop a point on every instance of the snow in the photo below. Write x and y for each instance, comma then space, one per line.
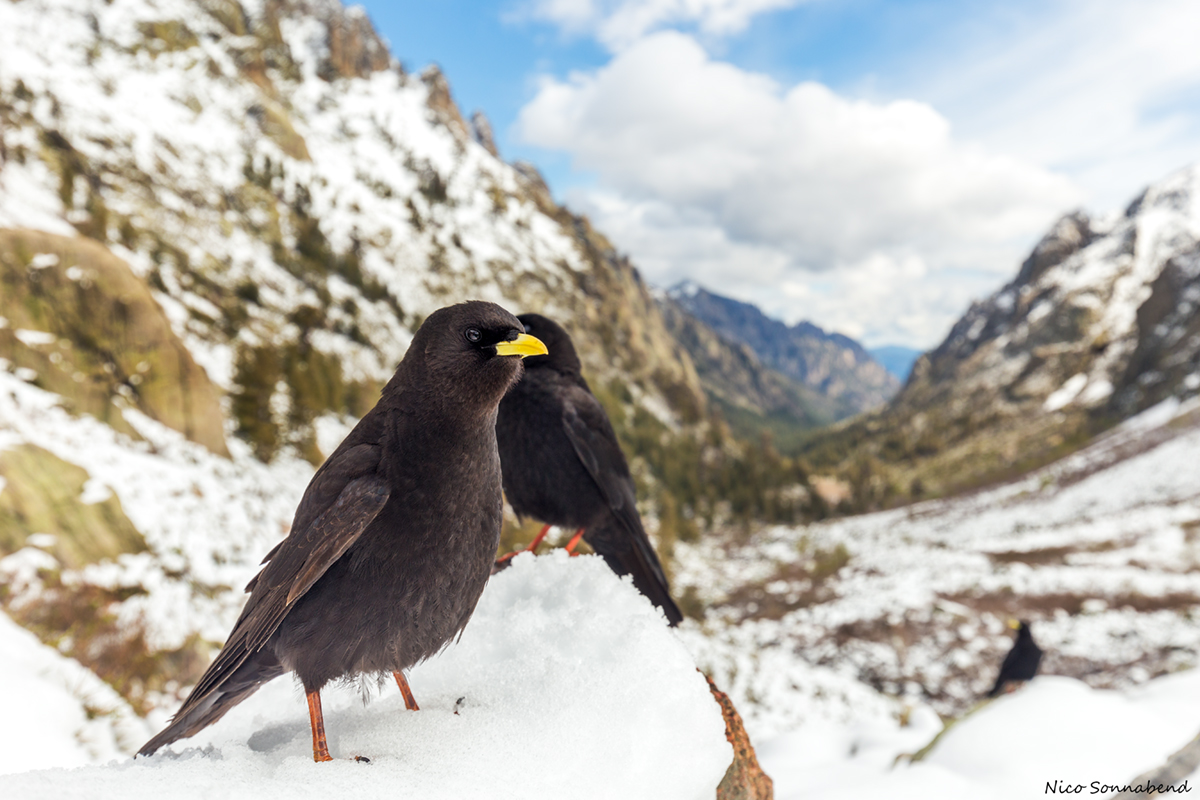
57, 714
1054, 729
567, 682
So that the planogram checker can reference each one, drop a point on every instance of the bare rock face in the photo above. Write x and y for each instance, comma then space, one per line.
442, 104
481, 126
355, 49
81, 322
42, 495
745, 779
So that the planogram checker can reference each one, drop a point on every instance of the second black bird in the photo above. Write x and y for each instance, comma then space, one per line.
1022, 661
561, 463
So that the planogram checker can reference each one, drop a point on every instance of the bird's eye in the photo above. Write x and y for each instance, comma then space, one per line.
473, 335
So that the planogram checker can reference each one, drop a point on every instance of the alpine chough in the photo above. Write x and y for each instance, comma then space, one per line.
562, 463
1022, 661
395, 536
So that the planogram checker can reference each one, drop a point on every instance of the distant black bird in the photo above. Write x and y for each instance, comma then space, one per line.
563, 466
395, 536
1022, 661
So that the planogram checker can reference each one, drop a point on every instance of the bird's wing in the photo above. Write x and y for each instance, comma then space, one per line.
595, 443
591, 434
343, 498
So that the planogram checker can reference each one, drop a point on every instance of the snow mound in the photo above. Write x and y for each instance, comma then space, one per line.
1055, 729
1060, 729
567, 682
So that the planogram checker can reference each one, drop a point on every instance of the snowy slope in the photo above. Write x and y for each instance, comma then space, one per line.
274, 198
567, 682
1099, 551
206, 520
1065, 330
298, 204
58, 713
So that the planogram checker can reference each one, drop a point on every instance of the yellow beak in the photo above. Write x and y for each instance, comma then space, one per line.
1014, 624
523, 345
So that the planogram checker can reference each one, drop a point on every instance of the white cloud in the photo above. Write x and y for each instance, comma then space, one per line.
887, 297
1105, 91
847, 212
618, 23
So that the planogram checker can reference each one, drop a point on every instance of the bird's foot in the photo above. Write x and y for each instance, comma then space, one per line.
320, 744
410, 702
503, 560
571, 545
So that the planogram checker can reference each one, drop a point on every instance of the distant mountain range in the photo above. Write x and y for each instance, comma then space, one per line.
834, 365
765, 375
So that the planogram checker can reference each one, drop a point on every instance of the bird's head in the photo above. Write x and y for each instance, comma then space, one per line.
562, 355
471, 352
1019, 625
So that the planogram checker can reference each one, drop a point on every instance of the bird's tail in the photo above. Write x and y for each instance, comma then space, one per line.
641, 562
198, 713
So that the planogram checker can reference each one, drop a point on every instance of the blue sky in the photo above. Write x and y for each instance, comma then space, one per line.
870, 166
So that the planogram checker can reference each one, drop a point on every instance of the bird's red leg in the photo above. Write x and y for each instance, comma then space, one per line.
410, 702
532, 545
320, 746
571, 545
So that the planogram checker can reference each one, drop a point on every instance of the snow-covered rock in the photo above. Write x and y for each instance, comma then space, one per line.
286, 197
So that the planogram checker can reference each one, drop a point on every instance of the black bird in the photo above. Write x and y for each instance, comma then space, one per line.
1022, 661
395, 536
562, 463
